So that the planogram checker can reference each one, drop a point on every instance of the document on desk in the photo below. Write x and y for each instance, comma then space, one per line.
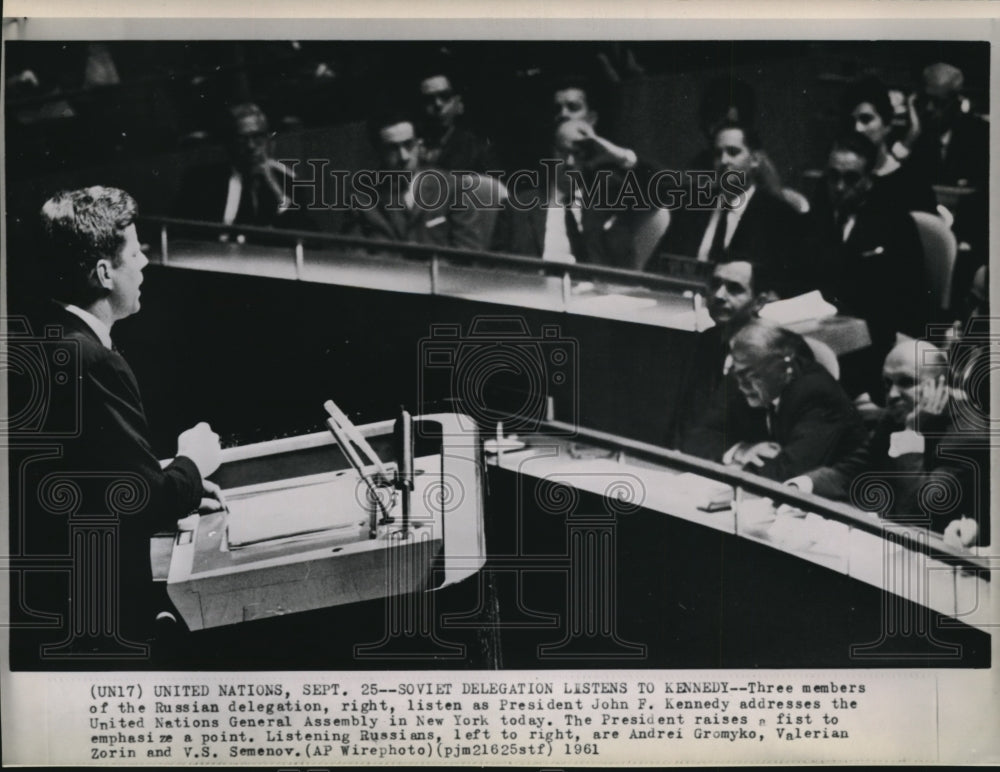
801, 308
292, 512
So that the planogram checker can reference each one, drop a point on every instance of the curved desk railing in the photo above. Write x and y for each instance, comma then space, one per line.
674, 302
489, 277
905, 559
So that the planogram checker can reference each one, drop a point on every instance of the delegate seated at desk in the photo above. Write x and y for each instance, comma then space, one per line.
737, 290
554, 221
742, 218
781, 410
251, 188
866, 258
936, 469
95, 266
410, 201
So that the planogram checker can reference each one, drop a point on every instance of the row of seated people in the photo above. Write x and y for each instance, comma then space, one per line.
941, 145
587, 206
767, 400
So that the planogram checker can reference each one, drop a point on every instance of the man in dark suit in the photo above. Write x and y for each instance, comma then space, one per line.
251, 188
952, 147
738, 217
786, 413
937, 470
736, 292
861, 254
585, 206
406, 200
95, 265
447, 143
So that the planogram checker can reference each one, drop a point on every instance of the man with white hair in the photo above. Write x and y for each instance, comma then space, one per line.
783, 413
937, 474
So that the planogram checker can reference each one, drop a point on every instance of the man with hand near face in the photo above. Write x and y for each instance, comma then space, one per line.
785, 413
554, 221
252, 188
949, 146
937, 472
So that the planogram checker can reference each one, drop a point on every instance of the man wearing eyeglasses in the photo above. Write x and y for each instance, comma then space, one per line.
782, 412
866, 258
447, 144
936, 472
949, 145
251, 188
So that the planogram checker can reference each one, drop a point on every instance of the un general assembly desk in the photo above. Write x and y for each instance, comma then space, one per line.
581, 570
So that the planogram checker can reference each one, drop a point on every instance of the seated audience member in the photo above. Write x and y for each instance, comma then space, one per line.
572, 101
737, 290
740, 218
968, 345
409, 201
938, 471
447, 143
555, 222
867, 110
782, 412
951, 147
251, 188
866, 258
94, 267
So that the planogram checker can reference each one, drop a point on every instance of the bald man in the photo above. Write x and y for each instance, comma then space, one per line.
952, 147
554, 221
938, 475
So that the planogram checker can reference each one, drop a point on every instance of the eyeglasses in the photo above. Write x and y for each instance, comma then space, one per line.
438, 96
255, 137
406, 144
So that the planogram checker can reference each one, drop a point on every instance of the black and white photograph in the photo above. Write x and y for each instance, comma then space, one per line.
536, 393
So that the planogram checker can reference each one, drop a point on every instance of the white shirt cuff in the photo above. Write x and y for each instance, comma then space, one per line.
803, 482
729, 457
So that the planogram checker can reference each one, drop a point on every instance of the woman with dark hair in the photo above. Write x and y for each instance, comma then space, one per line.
867, 110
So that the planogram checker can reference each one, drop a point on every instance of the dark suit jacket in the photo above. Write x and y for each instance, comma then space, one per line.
967, 157
112, 465
814, 420
446, 220
877, 274
906, 188
466, 151
205, 189
701, 378
954, 462
769, 231
604, 238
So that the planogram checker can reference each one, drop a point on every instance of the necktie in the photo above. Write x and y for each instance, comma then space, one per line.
770, 418
576, 244
718, 249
